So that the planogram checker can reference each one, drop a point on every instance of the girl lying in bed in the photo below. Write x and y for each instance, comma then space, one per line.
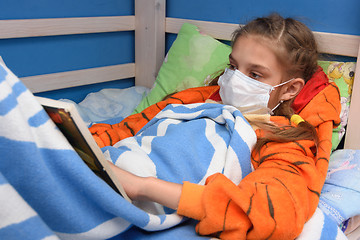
273, 60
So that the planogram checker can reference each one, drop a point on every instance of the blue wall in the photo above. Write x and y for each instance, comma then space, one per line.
319, 15
41, 55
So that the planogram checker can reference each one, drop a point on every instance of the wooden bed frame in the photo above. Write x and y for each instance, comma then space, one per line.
150, 25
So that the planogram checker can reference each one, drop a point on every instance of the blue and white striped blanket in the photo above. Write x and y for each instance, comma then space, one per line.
188, 143
47, 192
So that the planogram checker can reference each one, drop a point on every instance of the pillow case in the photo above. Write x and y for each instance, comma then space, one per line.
342, 73
192, 59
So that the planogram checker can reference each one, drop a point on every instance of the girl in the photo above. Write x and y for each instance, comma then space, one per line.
273, 60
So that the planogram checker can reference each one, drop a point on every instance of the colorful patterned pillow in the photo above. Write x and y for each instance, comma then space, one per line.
192, 59
342, 73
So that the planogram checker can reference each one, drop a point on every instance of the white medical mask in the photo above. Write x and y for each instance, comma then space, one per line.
248, 95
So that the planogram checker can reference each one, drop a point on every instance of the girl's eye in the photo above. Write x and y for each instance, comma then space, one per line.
254, 75
232, 67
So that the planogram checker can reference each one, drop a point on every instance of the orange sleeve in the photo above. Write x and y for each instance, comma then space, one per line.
273, 202
108, 135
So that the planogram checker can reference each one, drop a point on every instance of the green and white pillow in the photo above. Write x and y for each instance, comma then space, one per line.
192, 59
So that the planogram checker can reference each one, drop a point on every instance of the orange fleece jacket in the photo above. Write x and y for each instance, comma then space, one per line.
275, 200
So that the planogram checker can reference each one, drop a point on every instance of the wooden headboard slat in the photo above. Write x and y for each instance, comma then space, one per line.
64, 26
352, 137
338, 44
47, 82
221, 31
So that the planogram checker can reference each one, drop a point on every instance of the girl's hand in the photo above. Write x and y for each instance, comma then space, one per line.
130, 182
148, 188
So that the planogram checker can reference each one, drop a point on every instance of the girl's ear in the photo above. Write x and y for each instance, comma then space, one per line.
292, 89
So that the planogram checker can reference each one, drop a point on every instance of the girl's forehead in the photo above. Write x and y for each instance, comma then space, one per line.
255, 50
255, 41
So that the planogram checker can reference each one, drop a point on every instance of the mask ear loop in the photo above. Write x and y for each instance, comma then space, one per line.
281, 101
280, 84
272, 110
283, 83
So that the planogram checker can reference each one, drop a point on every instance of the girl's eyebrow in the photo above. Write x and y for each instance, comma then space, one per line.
254, 66
260, 68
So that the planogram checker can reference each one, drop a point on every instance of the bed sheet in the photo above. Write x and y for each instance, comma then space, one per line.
109, 105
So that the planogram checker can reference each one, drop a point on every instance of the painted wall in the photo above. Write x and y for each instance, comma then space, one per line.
319, 15
41, 55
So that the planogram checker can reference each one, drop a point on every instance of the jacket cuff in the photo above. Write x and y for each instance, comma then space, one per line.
190, 201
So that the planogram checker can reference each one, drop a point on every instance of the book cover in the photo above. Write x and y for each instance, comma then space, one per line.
70, 123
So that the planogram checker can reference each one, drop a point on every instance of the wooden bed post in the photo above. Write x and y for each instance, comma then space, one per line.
352, 137
149, 40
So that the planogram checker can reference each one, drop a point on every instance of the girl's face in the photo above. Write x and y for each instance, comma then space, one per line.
256, 60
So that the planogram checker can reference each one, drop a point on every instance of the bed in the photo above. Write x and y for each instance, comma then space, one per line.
150, 25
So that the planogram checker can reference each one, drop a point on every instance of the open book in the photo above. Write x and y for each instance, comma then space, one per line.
70, 123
